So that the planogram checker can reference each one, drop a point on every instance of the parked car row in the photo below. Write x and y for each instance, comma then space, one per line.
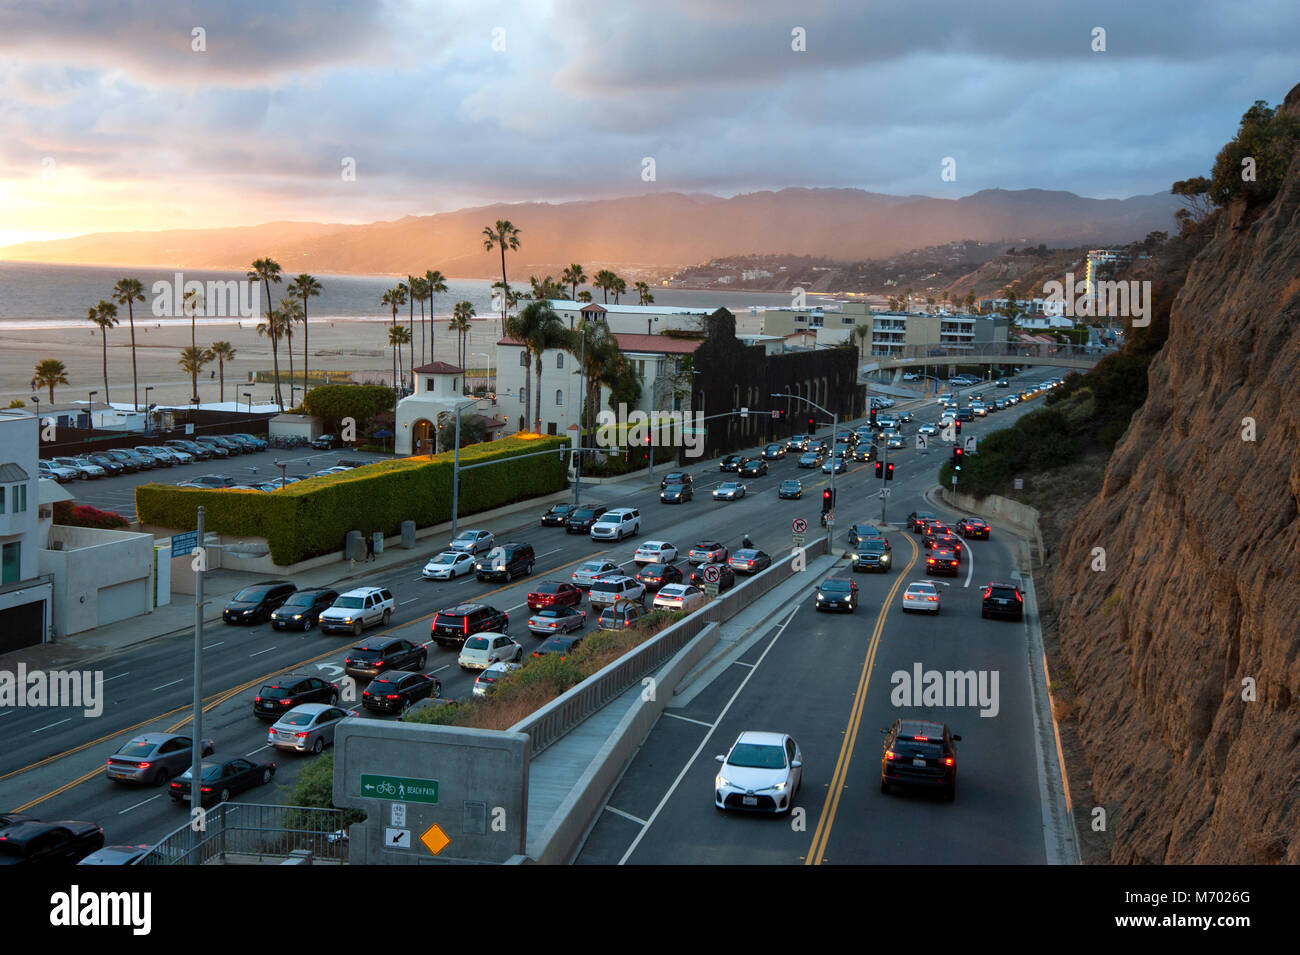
115, 461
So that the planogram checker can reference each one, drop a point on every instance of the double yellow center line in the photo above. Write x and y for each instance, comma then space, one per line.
822, 834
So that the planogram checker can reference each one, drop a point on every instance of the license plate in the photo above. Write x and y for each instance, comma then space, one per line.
749, 800
918, 762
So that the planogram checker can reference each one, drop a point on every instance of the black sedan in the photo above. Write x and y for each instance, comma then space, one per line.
750, 561
755, 468
394, 690
970, 527
726, 580
837, 593
675, 477
732, 462
281, 694
773, 452
561, 644
790, 490
677, 494
942, 560
918, 520
326, 442
222, 779
557, 515
256, 604
153, 758
44, 843
302, 610
110, 466
654, 576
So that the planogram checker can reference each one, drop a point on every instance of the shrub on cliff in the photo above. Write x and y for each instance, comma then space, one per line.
1267, 140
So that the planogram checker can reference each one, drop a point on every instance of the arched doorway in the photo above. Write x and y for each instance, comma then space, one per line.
422, 437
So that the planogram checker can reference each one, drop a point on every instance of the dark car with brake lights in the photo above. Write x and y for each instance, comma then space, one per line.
451, 627
554, 593
395, 690
655, 576
255, 604
557, 620
748, 561
377, 654
303, 609
919, 753
281, 694
970, 527
726, 576
153, 758
221, 779
49, 843
918, 520
1003, 600
942, 560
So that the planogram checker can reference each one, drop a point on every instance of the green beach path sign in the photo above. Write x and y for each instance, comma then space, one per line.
399, 788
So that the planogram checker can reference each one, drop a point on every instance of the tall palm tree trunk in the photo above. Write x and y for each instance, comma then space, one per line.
505, 294
221, 365
135, 378
410, 329
305, 369
103, 337
289, 332
275, 351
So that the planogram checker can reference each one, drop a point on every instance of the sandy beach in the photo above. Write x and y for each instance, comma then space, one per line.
356, 345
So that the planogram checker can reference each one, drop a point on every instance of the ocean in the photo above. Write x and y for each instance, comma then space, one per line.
38, 295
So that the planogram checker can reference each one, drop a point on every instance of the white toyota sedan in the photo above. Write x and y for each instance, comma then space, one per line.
448, 565
655, 552
761, 773
922, 595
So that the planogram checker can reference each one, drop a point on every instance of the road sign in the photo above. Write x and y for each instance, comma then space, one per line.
969, 443
954, 480
798, 539
744, 412
830, 517
397, 815
712, 574
799, 525
397, 838
922, 442
399, 787
184, 543
711, 589
1020, 484
776, 415
434, 839
884, 492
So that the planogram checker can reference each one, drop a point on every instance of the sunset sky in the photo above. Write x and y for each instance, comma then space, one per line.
114, 123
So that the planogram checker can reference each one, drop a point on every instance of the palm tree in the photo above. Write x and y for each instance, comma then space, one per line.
620, 288
419, 291
49, 373
863, 332
461, 313
397, 337
970, 301
437, 286
293, 314
223, 352
304, 286
192, 301
548, 332
521, 328
409, 287
643, 291
274, 328
574, 276
267, 271
105, 316
192, 361
125, 292
503, 234
584, 296
605, 280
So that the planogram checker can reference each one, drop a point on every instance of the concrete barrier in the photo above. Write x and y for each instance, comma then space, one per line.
561, 838
1019, 518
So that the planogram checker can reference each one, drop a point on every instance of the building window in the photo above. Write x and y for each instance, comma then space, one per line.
523, 359
559, 397
428, 385
11, 566
523, 396
18, 499
559, 360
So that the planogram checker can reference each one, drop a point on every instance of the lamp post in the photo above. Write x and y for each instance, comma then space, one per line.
249, 396
90, 408
582, 407
282, 467
835, 426
38, 410
455, 466
147, 416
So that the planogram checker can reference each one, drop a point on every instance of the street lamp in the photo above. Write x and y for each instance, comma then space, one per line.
249, 396
147, 415
835, 426
38, 410
90, 409
455, 466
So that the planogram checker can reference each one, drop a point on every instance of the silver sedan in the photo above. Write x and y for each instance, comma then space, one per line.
153, 758
308, 727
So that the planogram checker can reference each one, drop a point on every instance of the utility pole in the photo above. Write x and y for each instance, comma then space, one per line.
582, 418
196, 748
884, 477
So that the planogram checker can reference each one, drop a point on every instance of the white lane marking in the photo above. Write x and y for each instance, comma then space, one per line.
707, 736
211, 645
164, 686
260, 652
7, 713
970, 564
111, 678
689, 720
547, 554
258, 750
625, 815
139, 804
405, 602
446, 666
738, 663
68, 720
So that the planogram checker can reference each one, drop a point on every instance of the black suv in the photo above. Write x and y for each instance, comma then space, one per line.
372, 657
1003, 600
918, 520
580, 521
302, 609
453, 626
395, 690
557, 515
919, 753
872, 554
255, 604
861, 532
281, 694
505, 562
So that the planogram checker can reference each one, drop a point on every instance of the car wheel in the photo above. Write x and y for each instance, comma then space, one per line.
318, 746
519, 655
950, 793
159, 777
984, 614
530, 568
509, 575
388, 615
884, 786
266, 776
356, 629
223, 796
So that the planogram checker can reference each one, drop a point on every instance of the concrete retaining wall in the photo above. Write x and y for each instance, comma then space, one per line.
1020, 518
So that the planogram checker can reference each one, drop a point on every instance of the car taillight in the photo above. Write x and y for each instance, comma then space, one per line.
932, 597
391, 696
921, 739
286, 701
1019, 598
258, 699
205, 789
302, 735
144, 765
948, 760
929, 560
889, 754
988, 593
551, 624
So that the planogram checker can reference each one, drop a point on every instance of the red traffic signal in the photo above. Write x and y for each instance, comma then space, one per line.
880, 469
828, 500
957, 423
812, 426
889, 471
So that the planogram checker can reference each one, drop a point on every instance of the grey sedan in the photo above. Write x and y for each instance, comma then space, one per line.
153, 758
308, 727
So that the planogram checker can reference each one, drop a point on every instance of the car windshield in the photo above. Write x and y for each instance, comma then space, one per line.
137, 747
757, 756
746, 554
348, 603
873, 546
584, 512
910, 747
1003, 592
672, 590
592, 567
445, 558
707, 545
303, 599
476, 643
294, 718
467, 536
606, 586
673, 488
835, 585
653, 570
551, 612
548, 588
789, 484
250, 595
921, 589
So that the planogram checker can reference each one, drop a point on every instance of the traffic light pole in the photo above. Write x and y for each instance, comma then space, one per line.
835, 427
884, 492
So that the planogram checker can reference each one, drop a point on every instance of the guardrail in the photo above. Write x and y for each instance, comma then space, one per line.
984, 351
566, 711
253, 830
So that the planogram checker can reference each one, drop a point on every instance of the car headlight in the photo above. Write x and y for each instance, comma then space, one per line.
347, 619
779, 787
820, 598
297, 616
722, 782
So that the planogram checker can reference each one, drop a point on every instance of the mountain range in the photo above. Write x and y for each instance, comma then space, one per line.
652, 234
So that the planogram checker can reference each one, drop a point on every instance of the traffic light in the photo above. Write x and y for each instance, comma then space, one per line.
880, 469
873, 417
957, 455
812, 426
957, 425
828, 501
889, 471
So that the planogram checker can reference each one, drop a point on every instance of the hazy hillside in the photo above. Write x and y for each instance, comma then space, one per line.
663, 231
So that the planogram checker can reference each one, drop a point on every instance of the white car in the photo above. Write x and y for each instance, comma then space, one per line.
448, 566
679, 597
617, 523
484, 649
928, 429
911, 376
921, 595
473, 542
731, 491
762, 772
655, 552
589, 571
58, 472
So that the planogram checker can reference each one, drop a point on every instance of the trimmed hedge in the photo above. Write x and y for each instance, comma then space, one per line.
313, 517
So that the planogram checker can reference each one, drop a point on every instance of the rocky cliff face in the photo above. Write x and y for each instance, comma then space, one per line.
1200, 598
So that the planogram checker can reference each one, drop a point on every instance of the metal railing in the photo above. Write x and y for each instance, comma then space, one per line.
253, 831
566, 711
988, 351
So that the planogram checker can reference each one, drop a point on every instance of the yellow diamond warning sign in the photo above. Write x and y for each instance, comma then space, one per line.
434, 839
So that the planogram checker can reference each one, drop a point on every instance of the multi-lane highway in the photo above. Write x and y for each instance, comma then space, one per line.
825, 679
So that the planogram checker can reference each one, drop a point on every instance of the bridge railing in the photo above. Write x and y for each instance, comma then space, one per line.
983, 351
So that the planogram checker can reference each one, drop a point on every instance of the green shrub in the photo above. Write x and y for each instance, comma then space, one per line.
314, 516
314, 788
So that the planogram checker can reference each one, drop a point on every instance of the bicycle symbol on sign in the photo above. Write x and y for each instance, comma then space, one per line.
387, 789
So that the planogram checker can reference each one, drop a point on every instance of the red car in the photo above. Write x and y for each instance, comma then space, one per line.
973, 527
554, 593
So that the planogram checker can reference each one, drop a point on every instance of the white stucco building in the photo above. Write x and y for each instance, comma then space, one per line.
25, 597
439, 388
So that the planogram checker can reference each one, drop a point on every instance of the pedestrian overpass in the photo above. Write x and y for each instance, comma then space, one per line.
985, 353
